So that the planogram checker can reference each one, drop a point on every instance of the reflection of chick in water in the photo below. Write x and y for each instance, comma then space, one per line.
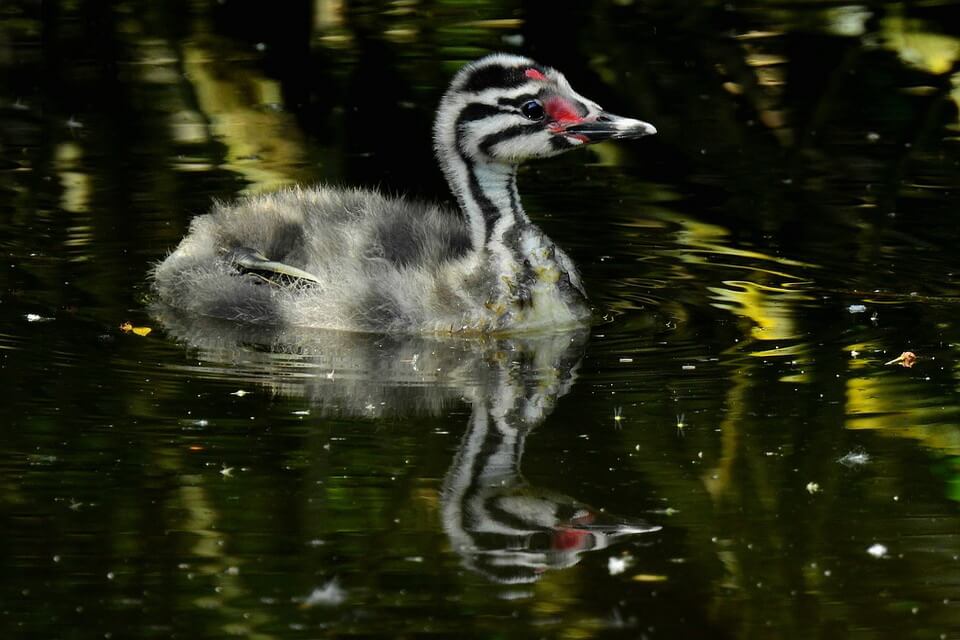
499, 524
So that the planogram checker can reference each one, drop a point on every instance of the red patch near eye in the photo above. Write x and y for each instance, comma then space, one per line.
562, 111
533, 74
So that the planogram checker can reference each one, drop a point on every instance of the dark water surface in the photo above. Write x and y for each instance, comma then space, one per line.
723, 454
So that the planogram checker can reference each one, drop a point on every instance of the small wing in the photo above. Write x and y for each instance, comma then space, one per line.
248, 260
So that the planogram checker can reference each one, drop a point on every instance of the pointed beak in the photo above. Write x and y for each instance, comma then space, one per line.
608, 126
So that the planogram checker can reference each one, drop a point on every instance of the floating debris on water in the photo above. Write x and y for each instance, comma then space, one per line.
857, 308
127, 327
240, 393
34, 317
329, 595
813, 487
855, 458
877, 550
906, 359
618, 564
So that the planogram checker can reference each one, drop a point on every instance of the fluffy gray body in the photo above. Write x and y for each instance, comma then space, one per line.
384, 264
365, 262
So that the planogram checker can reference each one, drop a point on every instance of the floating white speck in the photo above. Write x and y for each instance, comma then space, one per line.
618, 564
688, 367
625, 360
33, 317
227, 472
855, 458
329, 595
302, 412
857, 308
240, 393
854, 353
877, 550
813, 487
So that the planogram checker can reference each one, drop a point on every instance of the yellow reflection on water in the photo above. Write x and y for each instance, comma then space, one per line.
262, 143
75, 199
702, 238
918, 46
903, 403
76, 184
769, 300
772, 310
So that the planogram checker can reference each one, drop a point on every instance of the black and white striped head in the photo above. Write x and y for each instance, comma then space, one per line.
505, 109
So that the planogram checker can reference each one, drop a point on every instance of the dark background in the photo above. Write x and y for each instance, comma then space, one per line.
791, 228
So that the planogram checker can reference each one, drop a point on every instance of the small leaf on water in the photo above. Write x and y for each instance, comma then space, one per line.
127, 327
906, 359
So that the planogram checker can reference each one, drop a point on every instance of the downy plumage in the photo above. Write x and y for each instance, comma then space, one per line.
355, 260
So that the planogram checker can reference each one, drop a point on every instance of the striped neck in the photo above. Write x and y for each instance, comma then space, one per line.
487, 195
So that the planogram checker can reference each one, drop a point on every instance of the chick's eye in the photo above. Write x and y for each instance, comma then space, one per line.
532, 110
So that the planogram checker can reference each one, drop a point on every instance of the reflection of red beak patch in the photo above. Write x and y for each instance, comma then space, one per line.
567, 539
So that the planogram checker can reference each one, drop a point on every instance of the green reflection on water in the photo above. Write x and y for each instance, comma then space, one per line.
807, 165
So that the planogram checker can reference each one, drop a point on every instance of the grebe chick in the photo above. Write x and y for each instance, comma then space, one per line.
355, 260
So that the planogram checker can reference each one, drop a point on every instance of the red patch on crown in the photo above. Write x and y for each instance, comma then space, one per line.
533, 74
